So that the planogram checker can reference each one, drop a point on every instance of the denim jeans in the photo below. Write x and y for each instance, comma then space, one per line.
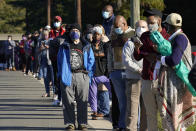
40, 73
103, 102
9, 61
46, 76
119, 87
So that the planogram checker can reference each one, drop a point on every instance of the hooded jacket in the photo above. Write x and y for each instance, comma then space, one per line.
63, 61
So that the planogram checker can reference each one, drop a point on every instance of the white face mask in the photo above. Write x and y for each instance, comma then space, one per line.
140, 31
153, 27
57, 24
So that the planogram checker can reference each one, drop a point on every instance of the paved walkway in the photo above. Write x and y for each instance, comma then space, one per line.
23, 108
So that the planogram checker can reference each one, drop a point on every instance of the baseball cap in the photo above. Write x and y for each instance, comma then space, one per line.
152, 12
58, 18
174, 19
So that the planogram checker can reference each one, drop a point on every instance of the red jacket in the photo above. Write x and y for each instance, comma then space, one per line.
21, 45
54, 33
148, 54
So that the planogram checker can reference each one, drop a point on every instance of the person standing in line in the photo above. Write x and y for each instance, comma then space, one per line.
10, 44
75, 70
100, 86
148, 53
122, 33
133, 78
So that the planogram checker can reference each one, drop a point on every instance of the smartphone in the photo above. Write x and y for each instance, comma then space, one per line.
136, 39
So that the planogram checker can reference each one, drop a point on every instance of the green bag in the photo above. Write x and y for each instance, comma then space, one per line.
165, 49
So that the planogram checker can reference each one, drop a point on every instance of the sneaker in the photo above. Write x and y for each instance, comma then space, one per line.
13, 69
99, 115
56, 103
61, 103
70, 128
82, 127
7, 69
55, 97
46, 95
34, 75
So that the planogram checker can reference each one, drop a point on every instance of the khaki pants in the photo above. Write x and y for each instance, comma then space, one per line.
133, 87
149, 94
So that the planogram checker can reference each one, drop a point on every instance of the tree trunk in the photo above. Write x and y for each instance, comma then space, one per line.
79, 18
48, 12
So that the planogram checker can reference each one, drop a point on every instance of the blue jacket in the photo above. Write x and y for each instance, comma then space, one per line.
63, 62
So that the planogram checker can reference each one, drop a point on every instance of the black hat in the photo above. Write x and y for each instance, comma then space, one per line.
153, 12
89, 28
75, 26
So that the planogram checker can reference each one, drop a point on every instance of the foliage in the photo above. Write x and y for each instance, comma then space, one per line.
11, 18
17, 16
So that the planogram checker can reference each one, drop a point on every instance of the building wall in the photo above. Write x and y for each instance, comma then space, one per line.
14, 36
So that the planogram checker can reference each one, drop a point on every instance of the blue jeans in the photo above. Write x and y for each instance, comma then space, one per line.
9, 61
103, 102
40, 73
119, 88
46, 76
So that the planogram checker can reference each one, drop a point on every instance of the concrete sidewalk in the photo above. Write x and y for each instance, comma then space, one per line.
23, 108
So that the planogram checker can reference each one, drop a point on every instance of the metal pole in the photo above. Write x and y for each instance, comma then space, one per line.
135, 12
48, 12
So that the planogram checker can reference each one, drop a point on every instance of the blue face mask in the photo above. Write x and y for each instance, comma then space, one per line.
75, 35
105, 14
118, 31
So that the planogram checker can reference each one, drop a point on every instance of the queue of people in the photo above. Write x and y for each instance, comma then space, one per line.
111, 67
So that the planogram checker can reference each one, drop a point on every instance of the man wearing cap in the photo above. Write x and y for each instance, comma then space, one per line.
149, 54
75, 66
57, 30
176, 101
108, 19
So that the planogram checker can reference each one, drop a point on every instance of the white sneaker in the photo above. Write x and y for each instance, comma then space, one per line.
61, 103
56, 103
55, 97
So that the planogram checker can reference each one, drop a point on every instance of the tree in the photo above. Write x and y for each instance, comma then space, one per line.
19, 16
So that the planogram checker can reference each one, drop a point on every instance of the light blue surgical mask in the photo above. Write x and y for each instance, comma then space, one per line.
105, 14
153, 27
57, 24
118, 31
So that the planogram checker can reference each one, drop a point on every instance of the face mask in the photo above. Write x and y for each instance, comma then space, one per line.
75, 35
118, 31
46, 37
57, 24
153, 27
89, 36
105, 14
140, 31
24, 38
